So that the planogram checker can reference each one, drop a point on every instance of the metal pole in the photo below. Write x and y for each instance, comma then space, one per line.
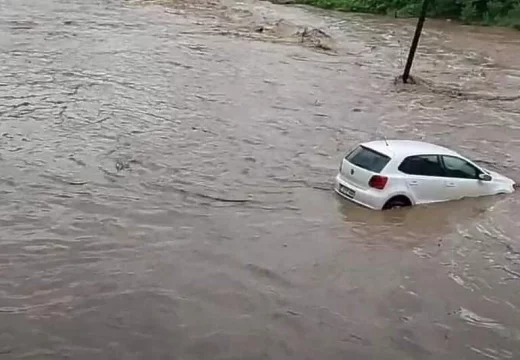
415, 41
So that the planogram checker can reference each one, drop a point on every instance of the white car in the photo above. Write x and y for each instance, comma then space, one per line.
386, 174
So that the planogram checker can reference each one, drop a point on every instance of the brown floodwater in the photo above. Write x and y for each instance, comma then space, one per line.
166, 177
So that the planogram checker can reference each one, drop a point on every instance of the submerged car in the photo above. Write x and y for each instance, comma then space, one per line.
386, 174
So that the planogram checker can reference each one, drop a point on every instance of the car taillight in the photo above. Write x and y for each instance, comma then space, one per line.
378, 182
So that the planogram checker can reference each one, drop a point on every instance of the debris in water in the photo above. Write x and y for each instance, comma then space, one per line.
122, 165
316, 37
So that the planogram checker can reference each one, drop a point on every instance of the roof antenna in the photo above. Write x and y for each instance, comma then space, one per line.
386, 142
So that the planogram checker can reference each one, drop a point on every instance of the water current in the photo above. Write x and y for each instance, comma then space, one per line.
166, 173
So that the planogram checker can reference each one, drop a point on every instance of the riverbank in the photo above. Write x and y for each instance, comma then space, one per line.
486, 13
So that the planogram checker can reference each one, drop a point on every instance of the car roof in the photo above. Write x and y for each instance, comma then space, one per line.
404, 148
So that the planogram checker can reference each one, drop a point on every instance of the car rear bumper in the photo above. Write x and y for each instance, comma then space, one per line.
364, 197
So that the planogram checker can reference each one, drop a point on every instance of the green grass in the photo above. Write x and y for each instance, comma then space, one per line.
479, 12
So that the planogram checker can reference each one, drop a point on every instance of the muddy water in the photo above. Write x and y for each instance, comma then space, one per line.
166, 175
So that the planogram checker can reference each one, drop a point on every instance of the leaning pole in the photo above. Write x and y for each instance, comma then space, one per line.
415, 41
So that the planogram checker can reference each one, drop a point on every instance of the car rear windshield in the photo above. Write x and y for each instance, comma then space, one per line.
368, 159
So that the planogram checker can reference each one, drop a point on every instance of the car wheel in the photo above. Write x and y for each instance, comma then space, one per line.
397, 202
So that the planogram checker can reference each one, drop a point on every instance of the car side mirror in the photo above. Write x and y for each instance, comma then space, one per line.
485, 177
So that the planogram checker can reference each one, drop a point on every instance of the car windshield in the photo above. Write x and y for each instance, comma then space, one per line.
368, 159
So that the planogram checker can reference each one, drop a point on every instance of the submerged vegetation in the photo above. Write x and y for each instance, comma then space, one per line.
483, 12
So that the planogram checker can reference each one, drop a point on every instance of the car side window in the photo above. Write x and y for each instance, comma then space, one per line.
423, 165
458, 168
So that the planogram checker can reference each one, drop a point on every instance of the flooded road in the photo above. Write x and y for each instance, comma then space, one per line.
166, 177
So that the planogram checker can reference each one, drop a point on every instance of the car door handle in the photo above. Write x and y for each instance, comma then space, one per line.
413, 183
450, 184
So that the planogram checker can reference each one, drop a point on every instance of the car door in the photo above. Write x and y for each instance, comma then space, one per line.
424, 178
462, 178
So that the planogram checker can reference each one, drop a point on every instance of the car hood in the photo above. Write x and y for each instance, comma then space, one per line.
500, 178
